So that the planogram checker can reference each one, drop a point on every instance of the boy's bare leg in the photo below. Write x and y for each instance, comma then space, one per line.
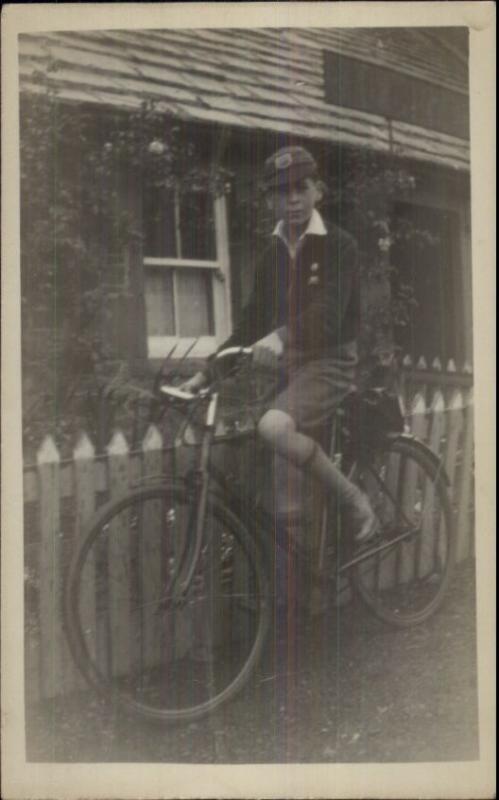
278, 429
288, 487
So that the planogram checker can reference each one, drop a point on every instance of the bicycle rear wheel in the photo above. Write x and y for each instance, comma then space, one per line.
136, 637
404, 574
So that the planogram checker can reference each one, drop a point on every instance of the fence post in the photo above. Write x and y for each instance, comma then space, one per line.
418, 420
430, 544
405, 380
51, 630
437, 421
454, 428
410, 488
152, 452
421, 385
153, 556
84, 483
119, 560
465, 489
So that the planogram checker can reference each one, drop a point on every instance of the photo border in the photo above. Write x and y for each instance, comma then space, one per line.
22, 779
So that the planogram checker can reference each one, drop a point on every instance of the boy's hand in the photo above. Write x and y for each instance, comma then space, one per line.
267, 351
194, 384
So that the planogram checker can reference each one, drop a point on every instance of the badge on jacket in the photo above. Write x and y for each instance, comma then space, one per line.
314, 278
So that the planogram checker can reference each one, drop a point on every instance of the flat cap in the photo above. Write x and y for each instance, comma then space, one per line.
288, 165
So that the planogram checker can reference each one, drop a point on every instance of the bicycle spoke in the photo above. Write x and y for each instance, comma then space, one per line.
403, 576
156, 644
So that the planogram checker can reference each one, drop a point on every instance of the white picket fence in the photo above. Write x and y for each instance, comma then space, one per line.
61, 495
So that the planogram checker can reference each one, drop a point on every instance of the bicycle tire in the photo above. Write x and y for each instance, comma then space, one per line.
122, 596
405, 579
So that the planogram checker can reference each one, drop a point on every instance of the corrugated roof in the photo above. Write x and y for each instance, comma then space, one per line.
264, 79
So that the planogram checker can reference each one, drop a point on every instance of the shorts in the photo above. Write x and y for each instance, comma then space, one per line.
314, 389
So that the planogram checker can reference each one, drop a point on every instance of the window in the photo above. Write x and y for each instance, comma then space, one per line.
434, 269
186, 271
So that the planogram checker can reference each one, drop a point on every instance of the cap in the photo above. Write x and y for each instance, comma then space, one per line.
288, 165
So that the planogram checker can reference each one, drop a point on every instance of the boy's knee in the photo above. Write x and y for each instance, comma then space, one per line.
275, 426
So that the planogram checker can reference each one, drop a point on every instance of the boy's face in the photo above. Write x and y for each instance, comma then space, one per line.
295, 202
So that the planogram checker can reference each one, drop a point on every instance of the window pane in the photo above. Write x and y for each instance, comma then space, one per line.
160, 312
159, 223
195, 302
197, 226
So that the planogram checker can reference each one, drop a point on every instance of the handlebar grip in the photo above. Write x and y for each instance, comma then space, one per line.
233, 351
176, 394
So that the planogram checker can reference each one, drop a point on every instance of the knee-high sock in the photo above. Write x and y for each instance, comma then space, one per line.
306, 454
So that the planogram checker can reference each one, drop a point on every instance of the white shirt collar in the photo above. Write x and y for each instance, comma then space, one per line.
315, 226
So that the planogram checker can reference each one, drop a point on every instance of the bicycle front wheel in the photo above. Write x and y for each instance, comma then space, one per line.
404, 574
141, 637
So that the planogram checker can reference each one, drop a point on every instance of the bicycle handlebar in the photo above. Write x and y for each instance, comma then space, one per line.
174, 393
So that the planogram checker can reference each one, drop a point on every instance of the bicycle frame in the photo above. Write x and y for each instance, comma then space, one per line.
205, 474
194, 545
205, 471
202, 478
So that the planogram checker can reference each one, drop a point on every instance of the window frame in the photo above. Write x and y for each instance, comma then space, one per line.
160, 346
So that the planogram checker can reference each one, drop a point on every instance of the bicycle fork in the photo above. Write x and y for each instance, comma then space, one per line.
201, 485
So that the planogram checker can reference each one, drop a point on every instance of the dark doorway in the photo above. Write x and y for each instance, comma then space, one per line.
428, 258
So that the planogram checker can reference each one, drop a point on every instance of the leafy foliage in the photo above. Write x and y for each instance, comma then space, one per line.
365, 201
82, 177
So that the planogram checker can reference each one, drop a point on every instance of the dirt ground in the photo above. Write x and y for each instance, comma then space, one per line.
358, 692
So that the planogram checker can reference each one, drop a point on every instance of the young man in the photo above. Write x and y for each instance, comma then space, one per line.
302, 318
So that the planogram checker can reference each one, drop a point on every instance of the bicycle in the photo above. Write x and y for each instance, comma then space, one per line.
169, 599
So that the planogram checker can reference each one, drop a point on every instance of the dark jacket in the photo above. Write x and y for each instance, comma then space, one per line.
317, 300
